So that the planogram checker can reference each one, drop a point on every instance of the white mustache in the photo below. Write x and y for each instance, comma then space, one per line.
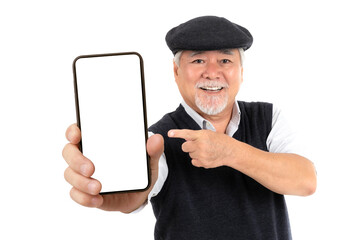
212, 84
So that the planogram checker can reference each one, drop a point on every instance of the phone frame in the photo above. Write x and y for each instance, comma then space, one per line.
143, 103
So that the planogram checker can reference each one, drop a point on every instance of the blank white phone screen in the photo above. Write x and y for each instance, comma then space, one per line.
111, 111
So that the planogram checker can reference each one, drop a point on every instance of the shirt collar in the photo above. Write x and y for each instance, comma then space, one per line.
205, 124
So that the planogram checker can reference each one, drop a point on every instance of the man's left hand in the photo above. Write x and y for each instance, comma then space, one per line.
207, 149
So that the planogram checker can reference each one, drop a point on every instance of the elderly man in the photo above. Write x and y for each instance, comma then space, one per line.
220, 167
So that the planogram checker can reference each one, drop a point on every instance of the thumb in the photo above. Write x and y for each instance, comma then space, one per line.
155, 147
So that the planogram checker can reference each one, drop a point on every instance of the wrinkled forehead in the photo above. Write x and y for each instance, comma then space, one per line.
230, 52
233, 52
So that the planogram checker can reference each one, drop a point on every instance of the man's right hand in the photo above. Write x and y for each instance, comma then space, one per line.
86, 189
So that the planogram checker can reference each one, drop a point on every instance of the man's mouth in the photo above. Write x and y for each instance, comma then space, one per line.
212, 88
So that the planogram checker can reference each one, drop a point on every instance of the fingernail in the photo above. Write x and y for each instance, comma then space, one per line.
171, 133
95, 201
92, 186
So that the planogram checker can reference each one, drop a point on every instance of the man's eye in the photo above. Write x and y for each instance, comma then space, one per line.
225, 61
198, 61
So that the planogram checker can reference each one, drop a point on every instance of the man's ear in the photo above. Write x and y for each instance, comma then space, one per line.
241, 75
176, 68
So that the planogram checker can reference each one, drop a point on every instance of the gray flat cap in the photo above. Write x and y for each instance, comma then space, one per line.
208, 33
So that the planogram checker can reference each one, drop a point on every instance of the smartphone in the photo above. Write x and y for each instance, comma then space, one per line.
111, 114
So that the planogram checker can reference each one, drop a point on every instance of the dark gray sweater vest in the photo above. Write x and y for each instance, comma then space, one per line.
219, 203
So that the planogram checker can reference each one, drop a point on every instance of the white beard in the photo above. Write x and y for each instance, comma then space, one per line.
211, 104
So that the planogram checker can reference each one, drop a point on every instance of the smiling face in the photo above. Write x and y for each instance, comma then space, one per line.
209, 80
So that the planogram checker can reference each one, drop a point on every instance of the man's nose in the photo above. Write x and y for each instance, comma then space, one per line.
212, 71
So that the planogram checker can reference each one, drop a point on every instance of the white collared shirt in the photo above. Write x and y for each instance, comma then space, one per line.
281, 139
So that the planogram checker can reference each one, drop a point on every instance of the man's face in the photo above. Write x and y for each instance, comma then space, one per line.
209, 80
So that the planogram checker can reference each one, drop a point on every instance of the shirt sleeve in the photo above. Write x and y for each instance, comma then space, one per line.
282, 138
162, 175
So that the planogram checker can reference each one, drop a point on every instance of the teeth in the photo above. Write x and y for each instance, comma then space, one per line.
211, 88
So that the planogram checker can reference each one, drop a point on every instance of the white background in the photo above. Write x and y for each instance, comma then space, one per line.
305, 58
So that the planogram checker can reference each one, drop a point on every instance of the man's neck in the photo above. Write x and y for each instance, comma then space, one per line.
219, 121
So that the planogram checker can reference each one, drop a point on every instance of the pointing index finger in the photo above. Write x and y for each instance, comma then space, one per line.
188, 135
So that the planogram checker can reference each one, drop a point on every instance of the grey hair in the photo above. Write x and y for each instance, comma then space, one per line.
178, 55
177, 58
242, 56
